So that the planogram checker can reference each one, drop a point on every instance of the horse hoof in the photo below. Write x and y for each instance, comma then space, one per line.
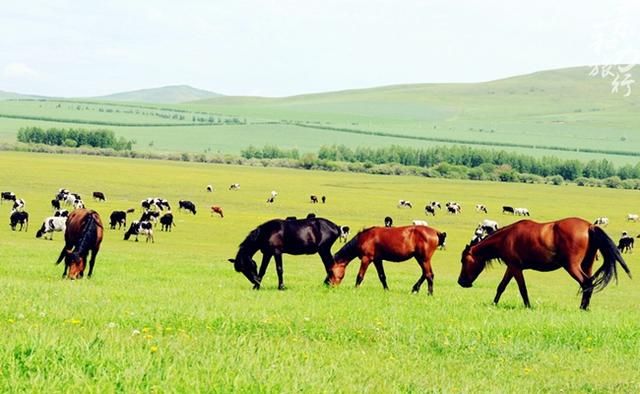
256, 287
281, 287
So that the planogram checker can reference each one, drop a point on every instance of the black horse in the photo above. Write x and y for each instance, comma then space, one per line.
277, 236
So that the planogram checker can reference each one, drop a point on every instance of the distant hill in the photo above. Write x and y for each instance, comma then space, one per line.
14, 96
166, 94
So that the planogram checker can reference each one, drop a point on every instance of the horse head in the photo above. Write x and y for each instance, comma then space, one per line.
471, 267
247, 265
341, 259
75, 264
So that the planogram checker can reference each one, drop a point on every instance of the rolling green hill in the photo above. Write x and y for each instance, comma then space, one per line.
165, 94
565, 110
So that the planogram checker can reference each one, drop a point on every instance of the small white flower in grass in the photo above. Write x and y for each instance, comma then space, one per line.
111, 325
135, 332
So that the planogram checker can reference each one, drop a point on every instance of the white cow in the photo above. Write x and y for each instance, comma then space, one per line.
52, 224
633, 217
521, 211
420, 223
601, 221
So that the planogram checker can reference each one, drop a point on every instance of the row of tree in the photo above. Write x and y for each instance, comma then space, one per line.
99, 138
469, 162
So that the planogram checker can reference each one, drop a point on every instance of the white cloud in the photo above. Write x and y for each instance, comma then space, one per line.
19, 71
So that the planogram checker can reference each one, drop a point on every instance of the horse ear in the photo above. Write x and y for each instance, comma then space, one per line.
232, 261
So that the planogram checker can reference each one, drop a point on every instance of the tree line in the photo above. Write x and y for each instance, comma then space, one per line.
99, 138
460, 162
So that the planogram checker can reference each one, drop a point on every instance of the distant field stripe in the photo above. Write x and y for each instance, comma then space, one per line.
102, 122
467, 142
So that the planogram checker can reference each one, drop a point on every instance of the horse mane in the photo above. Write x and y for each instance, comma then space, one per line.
88, 239
350, 250
480, 252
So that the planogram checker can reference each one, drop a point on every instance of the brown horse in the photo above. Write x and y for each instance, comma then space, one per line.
567, 243
395, 244
216, 209
83, 235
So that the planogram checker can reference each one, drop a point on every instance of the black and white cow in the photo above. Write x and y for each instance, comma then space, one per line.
140, 228
61, 212
521, 211
418, 222
454, 208
344, 233
71, 198
209, 188
187, 206
99, 196
388, 221
167, 221
162, 204
55, 204
19, 217
507, 209
431, 208
51, 225
18, 205
149, 216
78, 204
8, 196
323, 199
118, 218
481, 208
234, 186
489, 226
314, 199
601, 221
404, 204
625, 244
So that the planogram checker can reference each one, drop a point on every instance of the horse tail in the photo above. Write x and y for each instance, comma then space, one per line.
611, 255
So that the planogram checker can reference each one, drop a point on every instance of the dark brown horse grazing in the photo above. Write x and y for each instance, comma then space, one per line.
275, 237
83, 235
567, 243
396, 244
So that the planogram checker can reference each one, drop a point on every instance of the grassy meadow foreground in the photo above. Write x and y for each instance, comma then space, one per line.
174, 316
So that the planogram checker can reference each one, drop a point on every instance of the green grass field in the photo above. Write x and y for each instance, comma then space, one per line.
174, 316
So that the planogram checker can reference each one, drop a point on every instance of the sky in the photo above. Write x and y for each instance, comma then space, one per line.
287, 47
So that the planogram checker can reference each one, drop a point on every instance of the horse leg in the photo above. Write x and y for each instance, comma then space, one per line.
263, 268
94, 253
503, 285
279, 270
381, 275
364, 264
327, 260
427, 273
517, 274
585, 282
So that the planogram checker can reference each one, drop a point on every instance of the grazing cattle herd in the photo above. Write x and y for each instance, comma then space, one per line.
83, 234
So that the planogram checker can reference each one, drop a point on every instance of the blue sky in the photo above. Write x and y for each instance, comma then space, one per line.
286, 47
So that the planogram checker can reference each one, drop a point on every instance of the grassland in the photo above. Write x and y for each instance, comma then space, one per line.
561, 108
174, 316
